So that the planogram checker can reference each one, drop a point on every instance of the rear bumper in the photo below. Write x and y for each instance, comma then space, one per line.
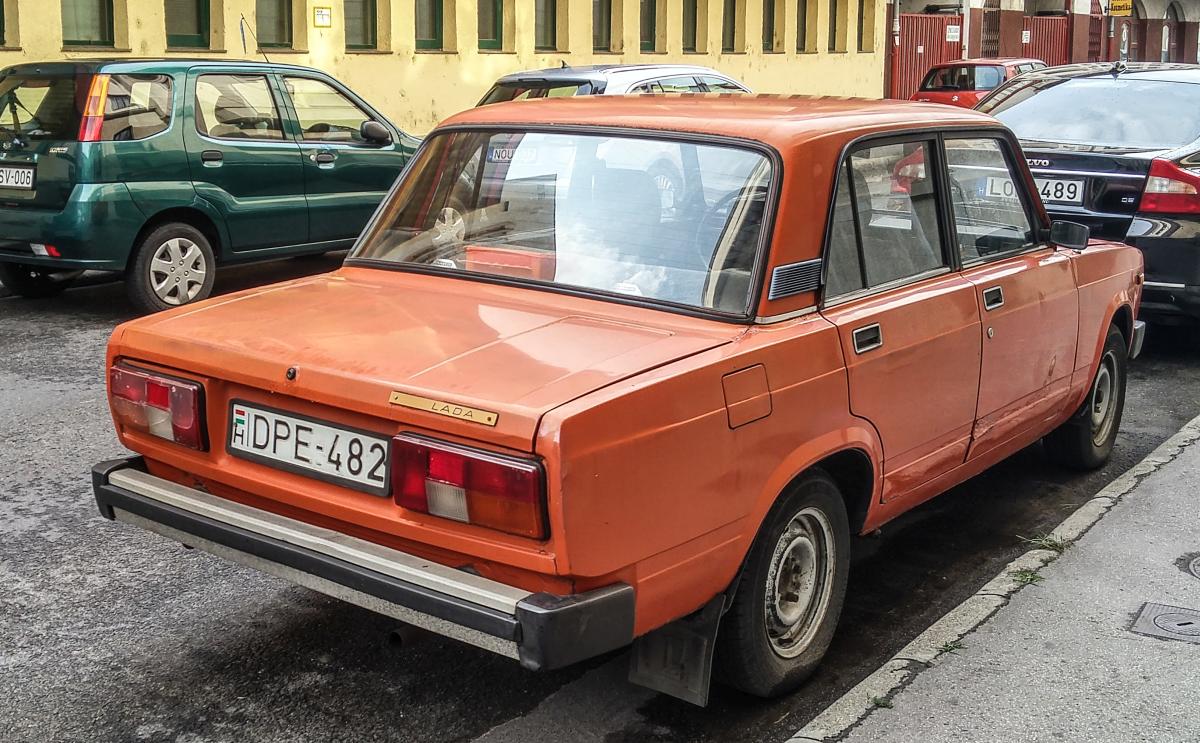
1167, 302
94, 230
541, 630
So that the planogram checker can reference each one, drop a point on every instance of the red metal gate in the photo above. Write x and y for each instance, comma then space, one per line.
1049, 39
922, 45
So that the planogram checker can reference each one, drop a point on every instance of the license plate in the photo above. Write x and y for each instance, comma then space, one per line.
1051, 189
324, 451
21, 178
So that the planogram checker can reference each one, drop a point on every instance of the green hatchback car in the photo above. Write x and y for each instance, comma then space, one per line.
165, 169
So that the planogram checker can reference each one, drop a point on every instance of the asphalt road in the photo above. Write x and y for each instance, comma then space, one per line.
111, 634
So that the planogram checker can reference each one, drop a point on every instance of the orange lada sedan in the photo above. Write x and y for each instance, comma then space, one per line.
551, 407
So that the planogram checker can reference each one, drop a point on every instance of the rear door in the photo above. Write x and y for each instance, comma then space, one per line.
1025, 290
909, 325
243, 162
345, 176
40, 113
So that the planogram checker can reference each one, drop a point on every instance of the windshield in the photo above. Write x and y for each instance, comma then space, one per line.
662, 220
522, 91
40, 107
1101, 111
963, 77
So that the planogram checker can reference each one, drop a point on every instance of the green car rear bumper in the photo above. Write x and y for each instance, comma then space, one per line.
94, 230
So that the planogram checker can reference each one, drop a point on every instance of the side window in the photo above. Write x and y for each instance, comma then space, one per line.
987, 78
650, 87
720, 85
988, 200
884, 221
324, 114
137, 107
680, 84
236, 107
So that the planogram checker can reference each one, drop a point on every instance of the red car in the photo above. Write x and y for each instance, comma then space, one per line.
964, 82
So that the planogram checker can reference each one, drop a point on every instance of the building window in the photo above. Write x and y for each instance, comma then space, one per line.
729, 26
429, 24
361, 24
491, 24
545, 25
806, 25
274, 23
187, 23
866, 25
689, 25
768, 28
87, 22
601, 25
837, 25
649, 23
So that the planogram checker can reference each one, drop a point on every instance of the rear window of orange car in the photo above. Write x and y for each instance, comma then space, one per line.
661, 220
963, 77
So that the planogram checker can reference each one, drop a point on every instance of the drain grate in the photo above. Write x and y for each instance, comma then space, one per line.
1168, 622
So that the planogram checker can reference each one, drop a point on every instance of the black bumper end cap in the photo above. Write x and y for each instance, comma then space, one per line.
101, 473
557, 631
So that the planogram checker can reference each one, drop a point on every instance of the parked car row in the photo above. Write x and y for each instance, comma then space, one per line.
596, 372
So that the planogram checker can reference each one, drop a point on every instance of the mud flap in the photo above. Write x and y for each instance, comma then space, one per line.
676, 659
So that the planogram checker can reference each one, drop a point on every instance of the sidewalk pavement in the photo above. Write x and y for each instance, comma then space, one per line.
1060, 661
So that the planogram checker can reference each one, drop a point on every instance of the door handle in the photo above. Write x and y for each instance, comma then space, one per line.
993, 298
211, 157
868, 338
323, 158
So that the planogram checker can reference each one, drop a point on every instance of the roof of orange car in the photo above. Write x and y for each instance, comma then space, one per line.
773, 119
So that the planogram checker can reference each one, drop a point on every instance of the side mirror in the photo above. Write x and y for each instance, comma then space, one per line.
1071, 235
373, 131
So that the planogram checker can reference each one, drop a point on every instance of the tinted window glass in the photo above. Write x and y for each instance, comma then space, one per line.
1106, 111
583, 211
138, 106
963, 77
844, 273
324, 114
236, 107
892, 207
987, 198
41, 107
517, 92
681, 84
720, 85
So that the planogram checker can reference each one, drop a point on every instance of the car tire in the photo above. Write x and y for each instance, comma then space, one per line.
172, 266
34, 282
789, 597
1086, 441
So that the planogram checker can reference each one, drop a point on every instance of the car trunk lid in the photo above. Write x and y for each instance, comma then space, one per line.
411, 349
1113, 179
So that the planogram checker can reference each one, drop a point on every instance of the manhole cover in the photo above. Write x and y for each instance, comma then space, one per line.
1178, 623
1168, 622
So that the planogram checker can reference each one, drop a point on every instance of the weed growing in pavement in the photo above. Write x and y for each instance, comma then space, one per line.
1057, 545
1026, 576
881, 702
952, 647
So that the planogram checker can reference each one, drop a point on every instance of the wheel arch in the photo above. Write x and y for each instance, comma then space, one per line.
193, 216
1122, 317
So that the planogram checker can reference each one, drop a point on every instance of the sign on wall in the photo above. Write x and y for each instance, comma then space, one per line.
322, 17
1122, 8
1026, 36
953, 34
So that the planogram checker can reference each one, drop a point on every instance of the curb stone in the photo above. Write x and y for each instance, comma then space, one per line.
849, 710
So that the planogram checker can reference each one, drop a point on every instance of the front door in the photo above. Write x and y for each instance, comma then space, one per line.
243, 163
345, 176
909, 325
1024, 287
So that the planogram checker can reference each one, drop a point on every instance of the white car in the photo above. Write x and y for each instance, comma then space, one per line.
613, 79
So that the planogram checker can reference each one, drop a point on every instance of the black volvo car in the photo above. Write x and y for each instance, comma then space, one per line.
1116, 146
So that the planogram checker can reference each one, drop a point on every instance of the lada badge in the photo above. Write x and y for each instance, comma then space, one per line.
441, 407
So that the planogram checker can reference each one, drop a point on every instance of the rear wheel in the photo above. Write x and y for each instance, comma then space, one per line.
790, 595
1086, 440
172, 266
34, 282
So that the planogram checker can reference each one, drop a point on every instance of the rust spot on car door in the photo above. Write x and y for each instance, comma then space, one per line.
747, 396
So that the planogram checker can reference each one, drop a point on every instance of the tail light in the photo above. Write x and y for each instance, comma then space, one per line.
1171, 189
469, 485
92, 123
161, 406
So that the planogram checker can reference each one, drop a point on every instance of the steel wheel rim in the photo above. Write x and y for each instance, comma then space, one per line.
1102, 404
178, 271
450, 227
799, 582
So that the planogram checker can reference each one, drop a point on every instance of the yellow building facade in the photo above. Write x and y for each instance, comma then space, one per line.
419, 61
